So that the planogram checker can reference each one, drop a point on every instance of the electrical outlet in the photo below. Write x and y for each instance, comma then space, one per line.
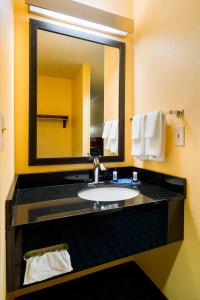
179, 135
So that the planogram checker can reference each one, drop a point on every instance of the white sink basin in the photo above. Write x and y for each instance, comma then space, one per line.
107, 194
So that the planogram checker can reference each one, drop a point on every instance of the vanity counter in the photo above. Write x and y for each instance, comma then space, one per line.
45, 211
33, 205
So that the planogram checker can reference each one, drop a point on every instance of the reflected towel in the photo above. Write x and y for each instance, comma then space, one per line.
114, 129
107, 134
114, 137
48, 265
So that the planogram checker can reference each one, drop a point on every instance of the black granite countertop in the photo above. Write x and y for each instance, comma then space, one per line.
46, 203
49, 196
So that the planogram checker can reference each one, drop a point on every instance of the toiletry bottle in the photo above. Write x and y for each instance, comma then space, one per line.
135, 176
115, 176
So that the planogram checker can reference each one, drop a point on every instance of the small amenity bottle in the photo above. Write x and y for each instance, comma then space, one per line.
115, 176
135, 176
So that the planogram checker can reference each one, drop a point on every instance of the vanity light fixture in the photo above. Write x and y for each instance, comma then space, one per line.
82, 15
76, 21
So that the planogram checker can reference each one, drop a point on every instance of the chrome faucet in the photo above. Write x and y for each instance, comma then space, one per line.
97, 166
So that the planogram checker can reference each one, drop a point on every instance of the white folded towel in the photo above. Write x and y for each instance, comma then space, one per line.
152, 124
48, 265
136, 127
155, 146
107, 134
138, 144
114, 136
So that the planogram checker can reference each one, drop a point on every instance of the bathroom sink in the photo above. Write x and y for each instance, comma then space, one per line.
109, 193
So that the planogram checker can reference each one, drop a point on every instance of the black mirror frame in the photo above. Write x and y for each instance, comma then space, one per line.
34, 25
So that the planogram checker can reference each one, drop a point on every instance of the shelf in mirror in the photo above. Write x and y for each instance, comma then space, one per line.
54, 117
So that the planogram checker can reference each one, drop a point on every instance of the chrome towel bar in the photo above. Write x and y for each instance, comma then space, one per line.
179, 113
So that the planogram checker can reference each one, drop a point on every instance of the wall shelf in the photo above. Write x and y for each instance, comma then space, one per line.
55, 117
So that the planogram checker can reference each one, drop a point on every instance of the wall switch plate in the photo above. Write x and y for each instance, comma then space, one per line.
179, 135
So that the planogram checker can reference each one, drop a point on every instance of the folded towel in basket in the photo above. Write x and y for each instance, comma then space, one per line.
47, 265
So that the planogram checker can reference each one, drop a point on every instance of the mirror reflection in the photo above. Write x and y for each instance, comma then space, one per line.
77, 97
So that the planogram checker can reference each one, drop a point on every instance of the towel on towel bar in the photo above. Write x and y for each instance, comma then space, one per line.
138, 136
155, 136
107, 134
152, 124
136, 127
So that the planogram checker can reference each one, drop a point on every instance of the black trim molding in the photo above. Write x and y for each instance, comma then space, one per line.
34, 26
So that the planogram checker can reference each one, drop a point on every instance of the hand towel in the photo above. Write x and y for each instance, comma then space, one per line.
48, 265
107, 134
114, 136
152, 124
138, 144
155, 147
136, 127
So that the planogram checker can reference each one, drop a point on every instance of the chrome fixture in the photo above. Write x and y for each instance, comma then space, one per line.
82, 15
179, 113
97, 167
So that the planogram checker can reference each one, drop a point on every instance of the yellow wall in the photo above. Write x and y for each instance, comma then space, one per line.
123, 8
97, 116
54, 98
166, 76
77, 112
81, 111
111, 83
7, 107
22, 85
86, 110
111, 87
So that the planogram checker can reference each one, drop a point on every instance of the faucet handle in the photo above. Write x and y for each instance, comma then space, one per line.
96, 161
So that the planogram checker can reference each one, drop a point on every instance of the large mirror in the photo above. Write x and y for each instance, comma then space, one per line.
76, 96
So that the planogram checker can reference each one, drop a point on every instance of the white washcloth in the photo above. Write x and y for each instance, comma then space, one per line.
152, 124
45, 266
114, 137
107, 134
155, 147
136, 127
138, 144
